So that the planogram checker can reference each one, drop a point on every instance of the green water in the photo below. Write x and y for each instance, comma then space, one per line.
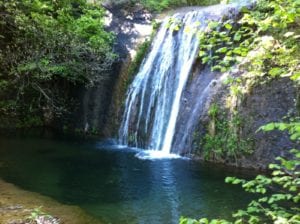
113, 185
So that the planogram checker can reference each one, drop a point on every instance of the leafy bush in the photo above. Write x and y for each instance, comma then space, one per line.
46, 48
159, 5
222, 44
267, 35
280, 192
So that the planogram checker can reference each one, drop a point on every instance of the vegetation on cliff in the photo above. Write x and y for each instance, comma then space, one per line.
264, 46
158, 6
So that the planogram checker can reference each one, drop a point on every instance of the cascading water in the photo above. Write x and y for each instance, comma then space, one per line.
154, 98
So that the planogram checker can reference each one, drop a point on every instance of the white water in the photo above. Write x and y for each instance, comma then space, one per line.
156, 155
153, 99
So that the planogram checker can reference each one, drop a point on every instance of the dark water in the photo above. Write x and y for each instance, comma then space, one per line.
115, 186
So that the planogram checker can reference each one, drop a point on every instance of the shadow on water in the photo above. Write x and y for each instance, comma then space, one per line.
111, 183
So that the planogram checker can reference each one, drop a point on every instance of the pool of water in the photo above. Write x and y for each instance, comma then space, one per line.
114, 185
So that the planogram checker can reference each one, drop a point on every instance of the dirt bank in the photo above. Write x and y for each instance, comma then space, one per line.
16, 205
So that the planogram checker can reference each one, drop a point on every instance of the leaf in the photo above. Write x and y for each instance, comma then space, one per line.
213, 24
268, 127
239, 221
274, 72
240, 213
282, 126
228, 26
237, 181
203, 221
229, 179
222, 50
296, 76
217, 68
202, 53
253, 219
295, 136
288, 34
237, 36
293, 188
264, 199
277, 173
252, 209
274, 166
205, 60
184, 220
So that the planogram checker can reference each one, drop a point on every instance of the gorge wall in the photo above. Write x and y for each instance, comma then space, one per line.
101, 108
96, 112
265, 100
272, 101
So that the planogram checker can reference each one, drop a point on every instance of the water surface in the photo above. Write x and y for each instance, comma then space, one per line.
113, 185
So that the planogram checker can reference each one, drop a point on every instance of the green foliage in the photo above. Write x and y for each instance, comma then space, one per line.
267, 38
213, 111
293, 128
279, 200
266, 46
174, 24
46, 48
223, 139
157, 5
184, 220
140, 54
221, 45
35, 214
160, 5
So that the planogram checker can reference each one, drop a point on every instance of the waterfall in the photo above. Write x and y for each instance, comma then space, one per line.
154, 98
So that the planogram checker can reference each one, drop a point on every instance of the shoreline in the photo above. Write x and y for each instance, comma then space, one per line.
16, 205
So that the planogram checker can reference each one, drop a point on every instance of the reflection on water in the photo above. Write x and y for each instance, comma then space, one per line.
115, 186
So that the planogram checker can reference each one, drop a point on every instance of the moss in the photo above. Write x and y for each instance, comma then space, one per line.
137, 61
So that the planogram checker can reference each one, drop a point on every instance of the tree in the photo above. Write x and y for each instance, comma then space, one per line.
46, 48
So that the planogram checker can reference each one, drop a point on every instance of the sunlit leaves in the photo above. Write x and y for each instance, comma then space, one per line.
276, 71
280, 191
221, 45
228, 26
175, 24
237, 36
272, 55
293, 128
296, 77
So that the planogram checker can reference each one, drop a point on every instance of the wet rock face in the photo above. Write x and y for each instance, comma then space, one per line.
265, 103
269, 102
195, 103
